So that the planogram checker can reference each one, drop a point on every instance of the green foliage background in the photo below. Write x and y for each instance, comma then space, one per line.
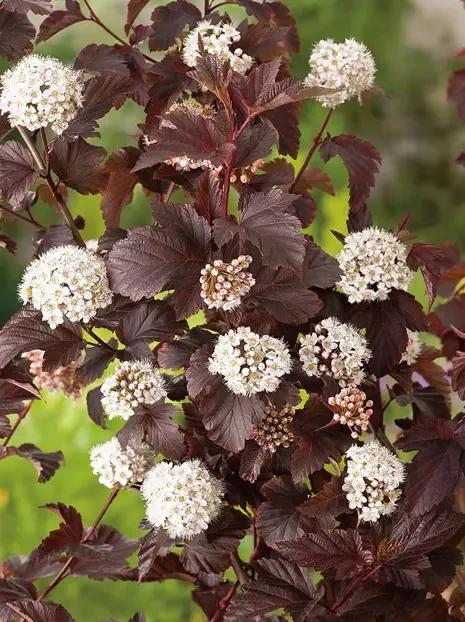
423, 179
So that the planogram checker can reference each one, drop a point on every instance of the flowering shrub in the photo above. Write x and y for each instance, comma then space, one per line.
264, 421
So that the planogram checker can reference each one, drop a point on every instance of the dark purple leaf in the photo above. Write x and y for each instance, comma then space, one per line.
77, 165
95, 408
285, 120
183, 220
329, 501
255, 143
95, 363
261, 11
458, 374
320, 269
208, 197
149, 549
17, 172
46, 464
16, 34
433, 263
69, 532
56, 235
134, 8
59, 20
213, 74
169, 21
34, 611
267, 42
456, 91
251, 460
120, 188
102, 59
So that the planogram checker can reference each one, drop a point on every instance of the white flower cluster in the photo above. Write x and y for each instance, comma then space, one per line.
373, 262
250, 363
63, 380
66, 282
337, 350
224, 284
351, 408
132, 384
346, 68
274, 430
372, 481
41, 91
217, 40
182, 499
413, 349
117, 466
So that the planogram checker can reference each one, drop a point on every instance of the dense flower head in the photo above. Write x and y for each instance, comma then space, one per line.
346, 69
117, 466
133, 383
351, 408
66, 282
274, 430
182, 499
40, 91
413, 349
373, 262
64, 380
217, 40
225, 284
337, 350
372, 481
250, 363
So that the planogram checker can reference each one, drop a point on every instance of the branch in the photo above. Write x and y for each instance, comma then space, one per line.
30, 221
361, 579
21, 417
237, 566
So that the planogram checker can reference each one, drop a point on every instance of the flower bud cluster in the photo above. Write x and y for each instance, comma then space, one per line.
372, 481
274, 430
63, 380
245, 174
182, 499
40, 91
217, 40
337, 350
352, 408
250, 363
117, 466
413, 349
346, 69
373, 262
66, 282
224, 284
133, 383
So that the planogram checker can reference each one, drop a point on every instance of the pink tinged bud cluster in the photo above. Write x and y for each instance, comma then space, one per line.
115, 466
274, 430
351, 408
225, 284
63, 380
183, 499
40, 91
250, 363
413, 349
134, 383
373, 263
372, 482
66, 282
346, 69
217, 40
336, 350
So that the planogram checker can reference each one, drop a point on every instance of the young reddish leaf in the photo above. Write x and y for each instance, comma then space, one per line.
329, 501
26, 331
59, 20
77, 165
169, 78
337, 549
102, 59
255, 143
39, 7
17, 172
361, 161
169, 21
208, 197
153, 424
120, 188
320, 269
213, 74
134, 8
16, 34
69, 532
46, 464
456, 91
278, 519
211, 550
314, 178
433, 263
34, 611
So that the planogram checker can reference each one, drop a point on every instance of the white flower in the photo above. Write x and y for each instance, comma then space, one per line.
351, 408
372, 481
114, 465
250, 363
217, 40
413, 349
224, 284
41, 91
66, 282
337, 350
348, 68
132, 384
373, 262
64, 380
274, 430
182, 499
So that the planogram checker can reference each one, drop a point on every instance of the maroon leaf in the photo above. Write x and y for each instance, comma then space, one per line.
456, 91
17, 172
199, 379
5, 127
95, 363
59, 20
320, 269
102, 59
458, 374
149, 548
95, 408
46, 464
169, 21
134, 8
433, 263
285, 120
77, 165
69, 532
255, 143
169, 77
361, 161
39, 7
16, 34
183, 220
14, 591
251, 461
314, 178
329, 501
120, 188
5, 427
266, 42
34, 611
213, 74
56, 235
262, 12
208, 197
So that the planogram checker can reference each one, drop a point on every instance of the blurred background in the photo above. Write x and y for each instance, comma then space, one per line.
419, 137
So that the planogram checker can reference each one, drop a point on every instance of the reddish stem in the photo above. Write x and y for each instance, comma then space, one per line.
30, 221
361, 579
64, 211
21, 417
224, 602
313, 148
166, 197
327, 425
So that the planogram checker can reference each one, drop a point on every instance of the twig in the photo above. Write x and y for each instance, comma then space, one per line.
30, 221
64, 210
237, 566
21, 417
327, 425
224, 602
99, 340
361, 579
46, 149
166, 197
32, 150
68, 566
206, 7
313, 148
